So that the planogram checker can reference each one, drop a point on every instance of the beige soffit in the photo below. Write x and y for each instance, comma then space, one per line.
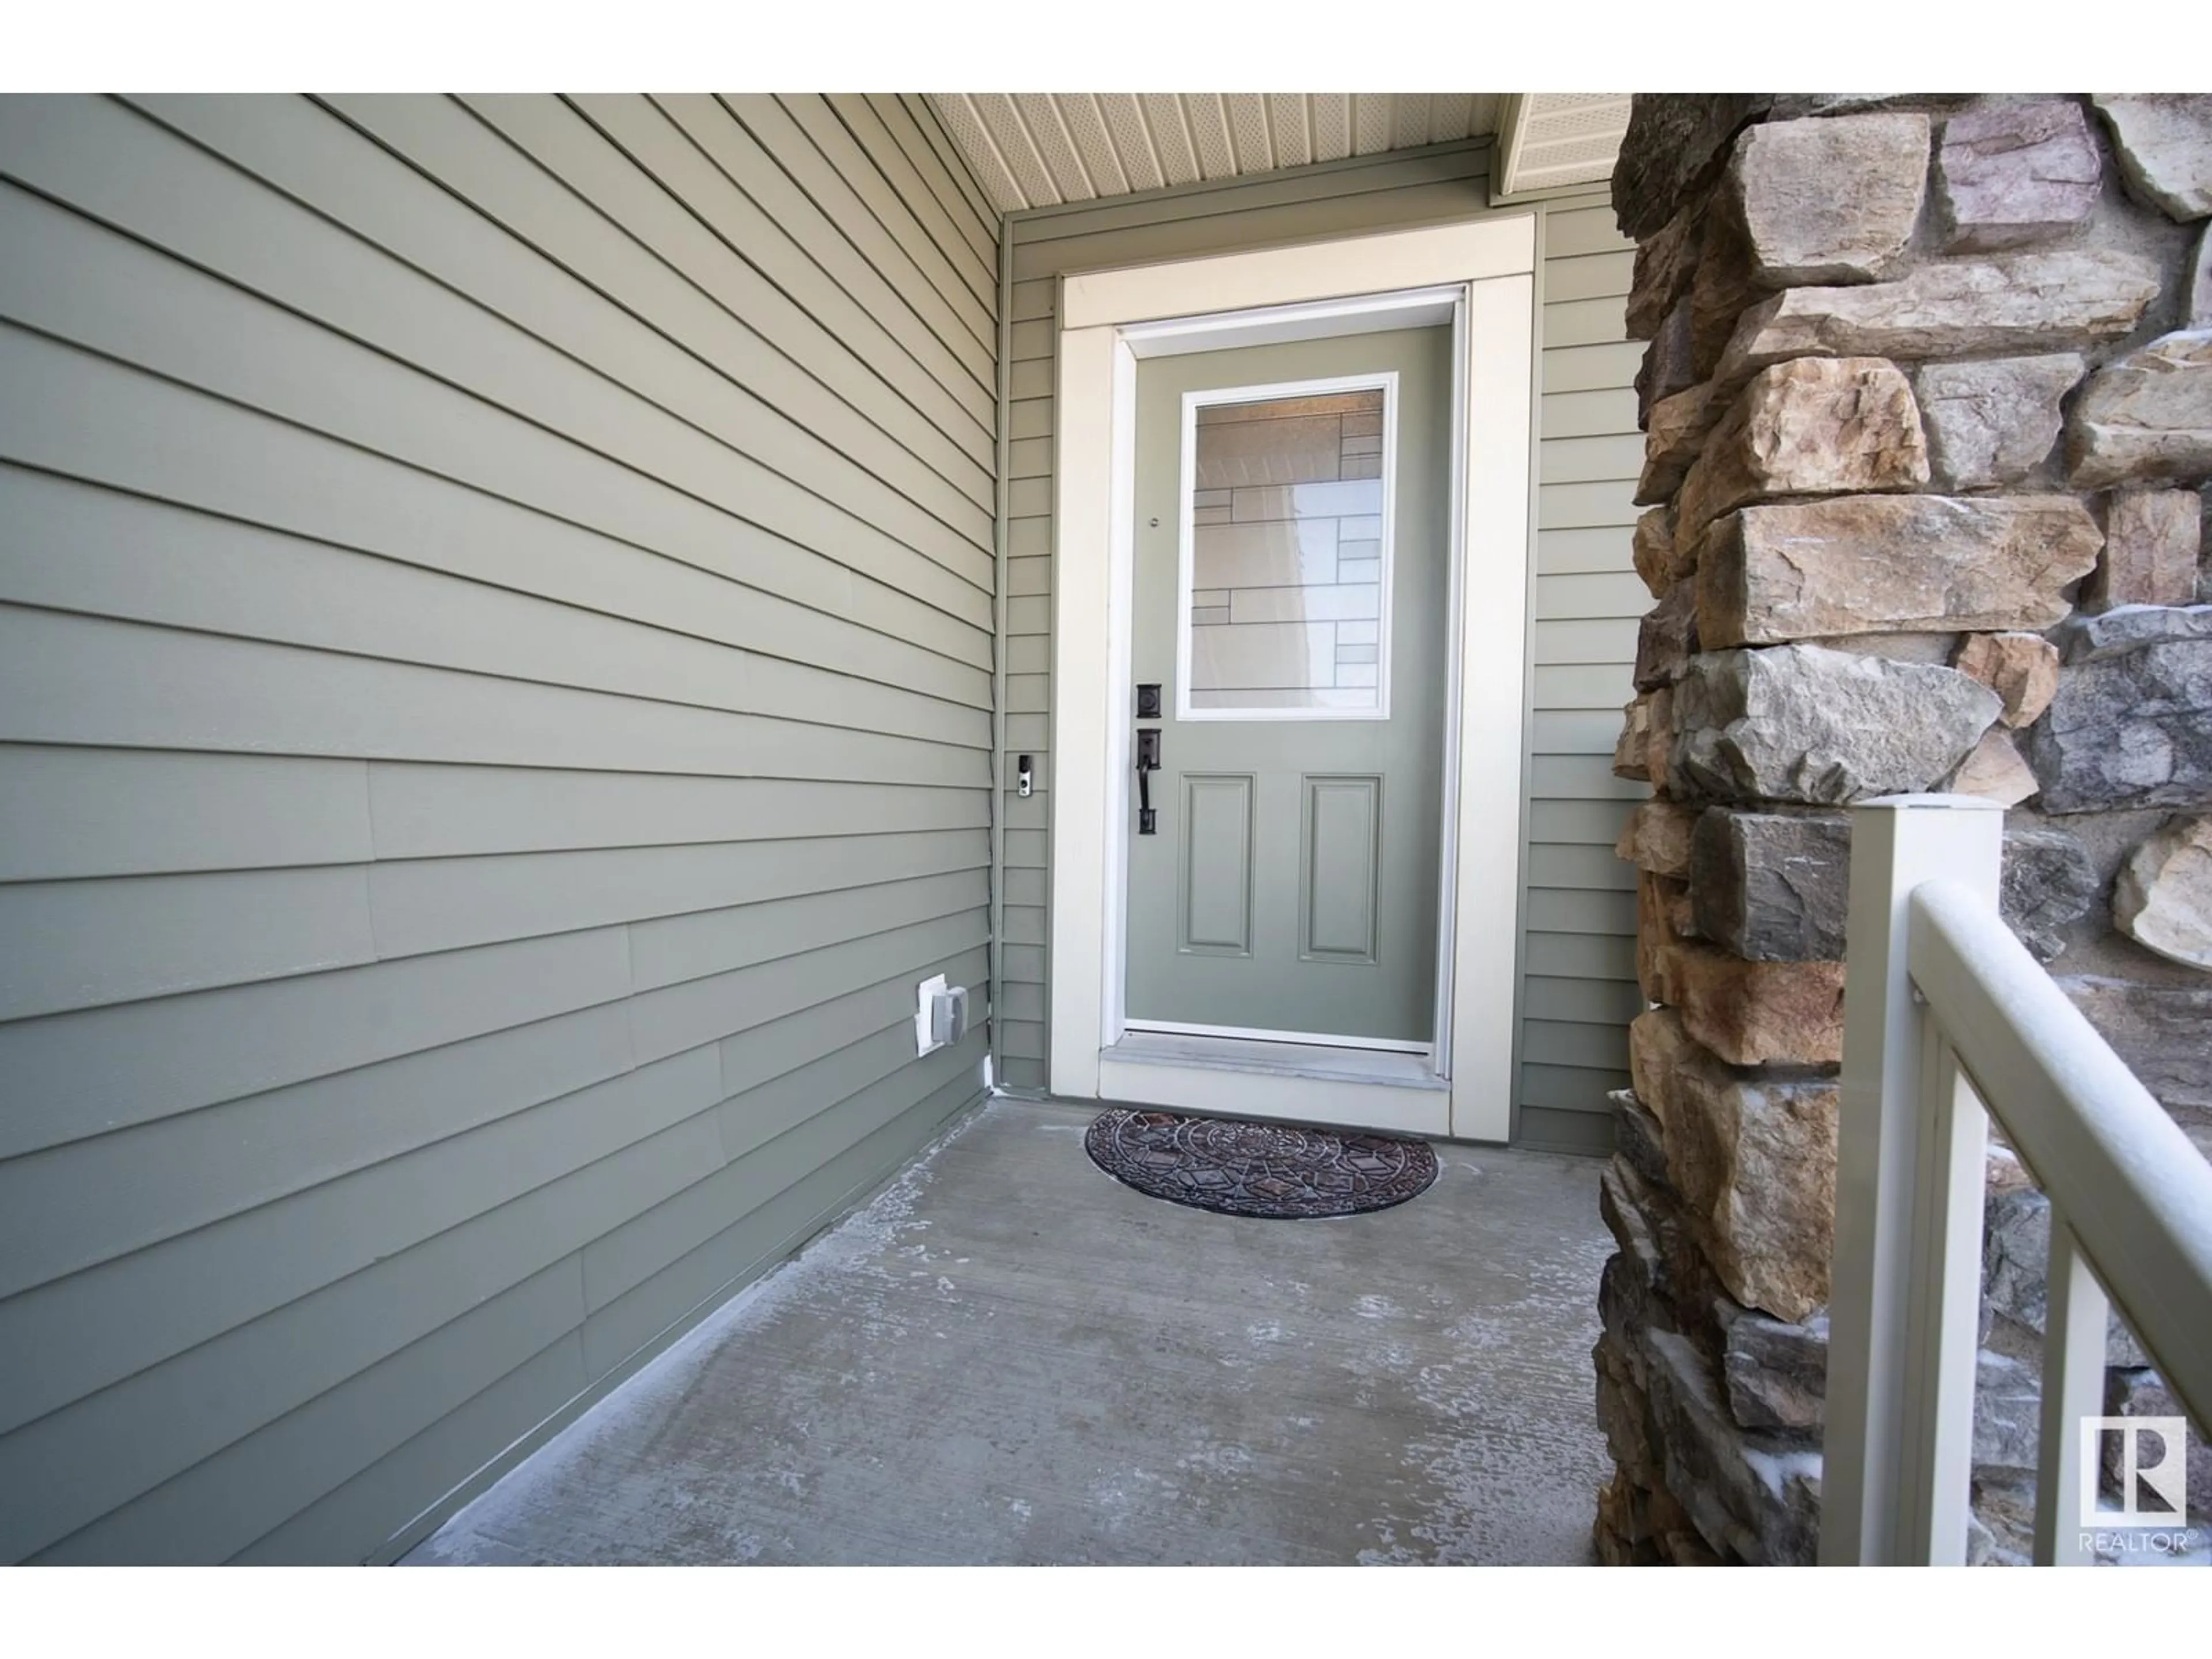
1038, 149
1550, 139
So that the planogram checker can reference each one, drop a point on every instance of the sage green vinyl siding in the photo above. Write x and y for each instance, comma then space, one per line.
495, 707
1578, 943
1578, 989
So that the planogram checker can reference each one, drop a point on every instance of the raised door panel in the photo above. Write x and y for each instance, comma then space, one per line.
1339, 869
1216, 908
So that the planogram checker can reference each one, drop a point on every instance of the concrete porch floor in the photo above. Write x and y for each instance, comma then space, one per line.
1008, 1357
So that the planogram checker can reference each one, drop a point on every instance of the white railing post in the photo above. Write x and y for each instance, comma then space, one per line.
1907, 1269
2075, 1319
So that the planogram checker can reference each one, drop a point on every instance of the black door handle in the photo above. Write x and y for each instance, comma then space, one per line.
1148, 761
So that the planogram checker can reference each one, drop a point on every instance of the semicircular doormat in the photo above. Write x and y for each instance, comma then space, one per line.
1270, 1169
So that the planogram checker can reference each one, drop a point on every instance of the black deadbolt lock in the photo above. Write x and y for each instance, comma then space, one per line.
1148, 702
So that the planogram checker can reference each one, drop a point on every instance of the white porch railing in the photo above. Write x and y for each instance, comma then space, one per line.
1946, 1013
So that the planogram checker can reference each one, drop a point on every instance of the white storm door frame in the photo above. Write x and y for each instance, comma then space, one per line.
1479, 275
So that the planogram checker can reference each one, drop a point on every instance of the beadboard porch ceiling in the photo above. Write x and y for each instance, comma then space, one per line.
1038, 149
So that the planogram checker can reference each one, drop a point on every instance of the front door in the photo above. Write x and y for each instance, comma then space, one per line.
1291, 606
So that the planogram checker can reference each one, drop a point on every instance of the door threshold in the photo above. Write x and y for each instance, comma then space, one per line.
1392, 1068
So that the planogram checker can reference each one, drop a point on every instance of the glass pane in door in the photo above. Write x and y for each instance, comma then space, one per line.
1286, 587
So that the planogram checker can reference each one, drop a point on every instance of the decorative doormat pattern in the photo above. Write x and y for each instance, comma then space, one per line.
1269, 1170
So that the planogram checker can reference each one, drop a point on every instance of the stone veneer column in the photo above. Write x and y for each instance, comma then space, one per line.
1927, 408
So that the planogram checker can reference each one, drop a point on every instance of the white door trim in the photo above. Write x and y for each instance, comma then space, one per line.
1445, 256
1487, 270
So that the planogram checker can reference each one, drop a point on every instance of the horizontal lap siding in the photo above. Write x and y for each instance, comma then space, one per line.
495, 699
1578, 986
1019, 1031
1578, 989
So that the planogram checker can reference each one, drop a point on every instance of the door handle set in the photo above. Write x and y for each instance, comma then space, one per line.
1148, 758
1148, 761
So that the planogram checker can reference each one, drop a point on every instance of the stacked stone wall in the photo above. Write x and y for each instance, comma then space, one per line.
1928, 413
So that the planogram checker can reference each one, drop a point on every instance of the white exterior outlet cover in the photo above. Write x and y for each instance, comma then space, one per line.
925, 994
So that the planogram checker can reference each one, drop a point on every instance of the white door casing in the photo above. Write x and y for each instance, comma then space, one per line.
1478, 275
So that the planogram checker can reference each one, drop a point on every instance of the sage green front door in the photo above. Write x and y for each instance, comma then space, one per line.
1291, 592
